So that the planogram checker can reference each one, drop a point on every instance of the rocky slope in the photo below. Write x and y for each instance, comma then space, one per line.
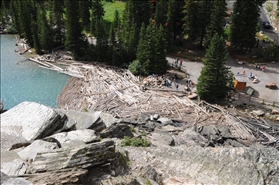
41, 145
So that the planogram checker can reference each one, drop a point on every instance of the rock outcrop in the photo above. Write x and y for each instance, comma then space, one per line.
71, 147
220, 165
26, 122
79, 156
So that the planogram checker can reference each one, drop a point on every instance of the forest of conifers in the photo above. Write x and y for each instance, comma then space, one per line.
140, 38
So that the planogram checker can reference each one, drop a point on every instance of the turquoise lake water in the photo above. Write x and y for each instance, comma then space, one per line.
26, 81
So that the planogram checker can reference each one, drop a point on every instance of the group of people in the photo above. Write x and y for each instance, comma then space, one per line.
254, 78
260, 67
177, 60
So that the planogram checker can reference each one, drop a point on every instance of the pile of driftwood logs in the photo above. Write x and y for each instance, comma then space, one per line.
22, 46
115, 90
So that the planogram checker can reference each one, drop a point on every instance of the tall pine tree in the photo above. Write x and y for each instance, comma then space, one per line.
73, 28
213, 83
96, 15
45, 34
244, 24
151, 52
84, 6
57, 19
217, 20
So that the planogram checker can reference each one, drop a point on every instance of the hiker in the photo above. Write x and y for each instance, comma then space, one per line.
177, 60
167, 83
251, 75
180, 63
243, 72
175, 77
263, 68
177, 87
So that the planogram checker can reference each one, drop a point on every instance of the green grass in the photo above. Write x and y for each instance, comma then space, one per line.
110, 10
138, 142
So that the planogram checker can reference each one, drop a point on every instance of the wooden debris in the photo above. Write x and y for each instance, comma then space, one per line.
115, 90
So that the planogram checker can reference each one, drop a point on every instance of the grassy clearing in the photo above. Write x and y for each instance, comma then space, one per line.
110, 10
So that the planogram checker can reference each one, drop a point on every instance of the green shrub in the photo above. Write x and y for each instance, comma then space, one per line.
132, 129
226, 33
269, 6
138, 142
136, 69
11, 30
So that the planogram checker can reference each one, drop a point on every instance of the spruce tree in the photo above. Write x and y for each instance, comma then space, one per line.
197, 18
57, 19
160, 64
217, 20
84, 6
174, 23
191, 25
160, 13
151, 52
45, 35
96, 15
213, 83
25, 20
244, 24
102, 41
73, 28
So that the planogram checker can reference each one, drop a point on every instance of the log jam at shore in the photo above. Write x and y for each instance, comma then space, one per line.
98, 87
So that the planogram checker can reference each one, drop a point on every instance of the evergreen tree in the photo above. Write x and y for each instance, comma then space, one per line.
204, 18
197, 18
191, 25
57, 20
151, 52
45, 35
213, 83
102, 41
25, 20
14, 7
161, 12
131, 44
96, 15
84, 6
244, 24
160, 64
116, 21
141, 51
174, 21
217, 20
73, 29
135, 14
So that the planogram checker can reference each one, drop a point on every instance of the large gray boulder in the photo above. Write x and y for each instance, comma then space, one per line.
12, 164
190, 138
116, 131
89, 120
161, 138
6, 180
26, 122
72, 138
30, 152
79, 156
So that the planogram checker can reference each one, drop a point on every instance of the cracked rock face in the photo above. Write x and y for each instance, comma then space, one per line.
242, 165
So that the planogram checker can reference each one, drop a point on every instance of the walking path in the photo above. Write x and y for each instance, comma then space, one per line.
271, 74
